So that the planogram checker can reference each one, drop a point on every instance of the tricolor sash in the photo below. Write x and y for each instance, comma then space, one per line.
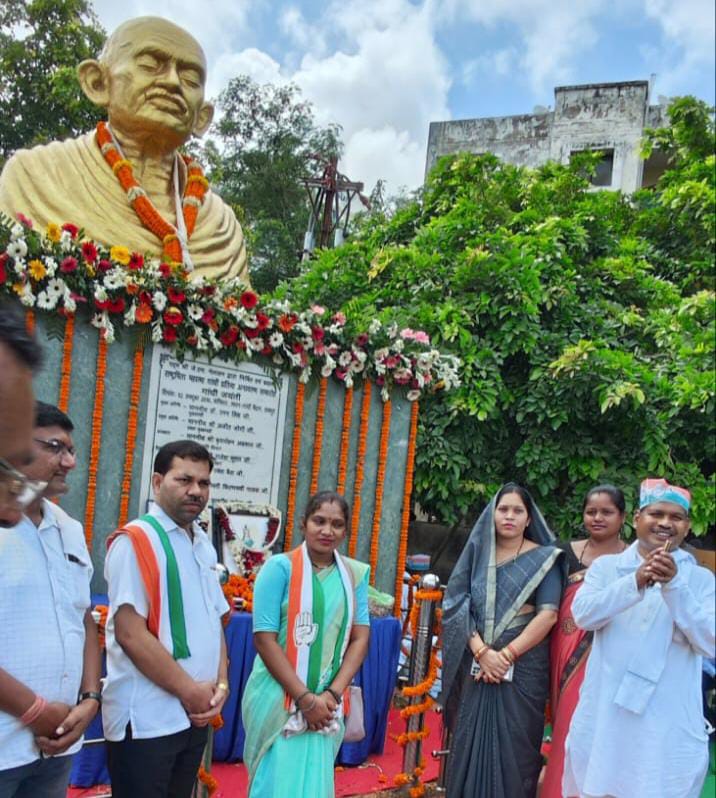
149, 571
305, 620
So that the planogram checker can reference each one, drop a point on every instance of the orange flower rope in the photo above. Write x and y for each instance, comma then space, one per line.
134, 394
97, 413
66, 365
30, 321
103, 611
405, 520
379, 488
345, 440
318, 435
194, 193
207, 780
293, 471
360, 466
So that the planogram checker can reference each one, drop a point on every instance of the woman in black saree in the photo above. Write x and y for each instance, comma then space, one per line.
501, 602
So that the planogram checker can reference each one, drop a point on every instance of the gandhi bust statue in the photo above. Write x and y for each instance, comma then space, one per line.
150, 77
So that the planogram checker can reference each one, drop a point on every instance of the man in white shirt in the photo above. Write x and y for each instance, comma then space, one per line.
166, 654
638, 729
49, 657
19, 357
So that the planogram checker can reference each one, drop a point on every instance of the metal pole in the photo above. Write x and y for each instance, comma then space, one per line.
419, 663
442, 755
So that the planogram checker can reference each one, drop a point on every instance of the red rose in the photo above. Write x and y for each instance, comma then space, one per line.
380, 381
173, 316
230, 335
104, 265
89, 252
249, 300
208, 315
251, 332
317, 333
117, 305
169, 334
175, 297
136, 261
68, 265
101, 304
263, 321
165, 269
70, 228
208, 290
3, 273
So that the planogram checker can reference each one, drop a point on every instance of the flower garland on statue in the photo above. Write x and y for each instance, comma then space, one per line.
420, 690
58, 271
405, 519
360, 467
195, 191
66, 365
318, 435
293, 470
134, 395
95, 439
379, 488
345, 441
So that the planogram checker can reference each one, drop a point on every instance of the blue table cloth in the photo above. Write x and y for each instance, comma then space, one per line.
377, 678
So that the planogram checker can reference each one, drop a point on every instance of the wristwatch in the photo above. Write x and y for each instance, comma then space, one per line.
89, 694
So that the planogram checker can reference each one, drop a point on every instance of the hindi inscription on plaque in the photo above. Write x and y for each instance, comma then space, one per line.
237, 411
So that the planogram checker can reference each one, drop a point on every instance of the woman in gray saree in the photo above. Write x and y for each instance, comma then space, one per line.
501, 602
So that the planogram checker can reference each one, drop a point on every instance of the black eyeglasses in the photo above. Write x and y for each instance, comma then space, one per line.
16, 487
58, 448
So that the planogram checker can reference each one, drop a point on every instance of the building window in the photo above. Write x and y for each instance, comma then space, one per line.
602, 176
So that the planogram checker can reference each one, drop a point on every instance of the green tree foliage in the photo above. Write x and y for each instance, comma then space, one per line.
584, 320
41, 44
264, 142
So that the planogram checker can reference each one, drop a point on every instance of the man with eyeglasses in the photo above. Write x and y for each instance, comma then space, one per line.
19, 357
49, 657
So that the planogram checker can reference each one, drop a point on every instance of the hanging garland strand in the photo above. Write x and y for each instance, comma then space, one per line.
30, 321
318, 435
421, 690
360, 466
405, 520
134, 394
66, 365
345, 440
379, 489
293, 472
96, 439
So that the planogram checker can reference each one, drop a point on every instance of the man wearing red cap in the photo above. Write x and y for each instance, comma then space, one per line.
638, 729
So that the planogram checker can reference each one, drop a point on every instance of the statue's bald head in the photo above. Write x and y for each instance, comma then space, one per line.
139, 29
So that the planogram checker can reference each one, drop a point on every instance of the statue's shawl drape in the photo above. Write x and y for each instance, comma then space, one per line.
471, 601
70, 181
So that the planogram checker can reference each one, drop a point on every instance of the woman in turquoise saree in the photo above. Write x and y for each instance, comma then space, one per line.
311, 630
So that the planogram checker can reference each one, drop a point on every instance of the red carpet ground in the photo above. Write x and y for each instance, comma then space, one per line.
373, 775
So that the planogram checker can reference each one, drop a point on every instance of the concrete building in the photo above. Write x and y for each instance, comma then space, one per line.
608, 117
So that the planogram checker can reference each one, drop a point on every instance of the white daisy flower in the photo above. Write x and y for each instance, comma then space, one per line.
275, 339
159, 300
55, 288
17, 249
45, 301
194, 311
345, 359
16, 232
114, 279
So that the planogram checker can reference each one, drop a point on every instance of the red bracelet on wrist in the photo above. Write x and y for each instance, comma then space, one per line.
511, 649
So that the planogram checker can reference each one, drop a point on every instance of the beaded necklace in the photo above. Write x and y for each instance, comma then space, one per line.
174, 239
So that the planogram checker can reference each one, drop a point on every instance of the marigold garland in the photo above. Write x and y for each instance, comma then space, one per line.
97, 414
379, 488
30, 321
360, 466
318, 435
209, 781
194, 193
66, 365
422, 689
242, 588
134, 394
293, 471
345, 440
405, 520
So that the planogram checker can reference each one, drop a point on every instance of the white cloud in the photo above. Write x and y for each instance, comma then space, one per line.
252, 62
385, 154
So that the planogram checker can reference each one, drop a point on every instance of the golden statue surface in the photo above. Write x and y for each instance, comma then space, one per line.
150, 77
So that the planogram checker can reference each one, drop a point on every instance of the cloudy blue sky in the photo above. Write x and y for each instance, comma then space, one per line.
384, 69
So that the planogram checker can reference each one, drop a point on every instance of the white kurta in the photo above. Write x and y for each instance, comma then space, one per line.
662, 751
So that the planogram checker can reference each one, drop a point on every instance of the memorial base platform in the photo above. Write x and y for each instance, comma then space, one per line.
374, 775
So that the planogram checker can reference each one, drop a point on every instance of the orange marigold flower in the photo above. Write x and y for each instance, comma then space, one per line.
144, 313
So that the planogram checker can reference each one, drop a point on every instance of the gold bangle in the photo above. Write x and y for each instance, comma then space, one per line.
223, 686
506, 651
480, 651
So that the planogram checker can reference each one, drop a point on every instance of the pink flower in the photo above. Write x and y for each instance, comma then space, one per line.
362, 340
317, 333
104, 265
391, 361
24, 220
68, 265
318, 310
70, 228
339, 318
